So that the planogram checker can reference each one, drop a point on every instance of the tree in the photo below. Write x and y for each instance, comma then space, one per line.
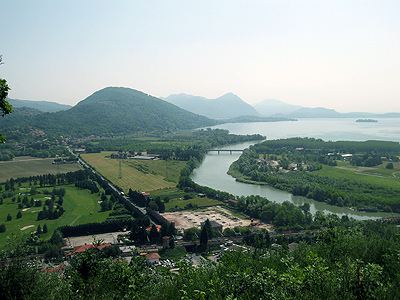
204, 236
45, 228
5, 107
9, 218
39, 229
389, 166
2, 228
19, 215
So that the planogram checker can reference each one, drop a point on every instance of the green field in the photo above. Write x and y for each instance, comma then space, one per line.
144, 176
25, 166
80, 207
200, 202
378, 175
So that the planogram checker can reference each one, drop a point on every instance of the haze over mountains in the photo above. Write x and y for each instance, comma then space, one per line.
231, 106
117, 110
45, 106
225, 107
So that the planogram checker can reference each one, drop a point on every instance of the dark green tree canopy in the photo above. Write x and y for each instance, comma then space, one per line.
5, 107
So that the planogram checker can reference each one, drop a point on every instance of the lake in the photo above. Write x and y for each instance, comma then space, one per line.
213, 170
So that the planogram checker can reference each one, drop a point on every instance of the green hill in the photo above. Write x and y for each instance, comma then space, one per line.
112, 110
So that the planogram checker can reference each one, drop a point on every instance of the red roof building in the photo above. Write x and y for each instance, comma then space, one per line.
83, 248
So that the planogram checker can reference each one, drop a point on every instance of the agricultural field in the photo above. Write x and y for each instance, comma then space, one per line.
80, 207
144, 176
25, 166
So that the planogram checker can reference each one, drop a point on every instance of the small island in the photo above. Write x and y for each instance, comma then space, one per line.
367, 120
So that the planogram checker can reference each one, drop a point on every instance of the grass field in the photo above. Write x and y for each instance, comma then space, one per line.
80, 207
374, 175
144, 176
199, 201
26, 166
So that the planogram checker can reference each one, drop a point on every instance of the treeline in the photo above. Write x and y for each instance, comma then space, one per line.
351, 147
40, 150
50, 179
180, 146
113, 225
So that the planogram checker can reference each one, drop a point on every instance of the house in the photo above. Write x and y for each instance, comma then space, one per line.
152, 259
83, 248
232, 202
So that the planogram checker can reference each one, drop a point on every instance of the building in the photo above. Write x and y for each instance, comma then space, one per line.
152, 259
83, 248
120, 155
165, 241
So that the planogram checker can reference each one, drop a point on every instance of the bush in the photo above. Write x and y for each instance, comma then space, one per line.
389, 166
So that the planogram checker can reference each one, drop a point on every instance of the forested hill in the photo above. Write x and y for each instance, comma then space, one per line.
112, 110
44, 106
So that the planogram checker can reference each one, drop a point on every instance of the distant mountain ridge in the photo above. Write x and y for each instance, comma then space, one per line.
272, 107
44, 106
113, 110
224, 107
279, 109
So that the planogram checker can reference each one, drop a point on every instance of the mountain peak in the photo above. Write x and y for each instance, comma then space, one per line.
224, 107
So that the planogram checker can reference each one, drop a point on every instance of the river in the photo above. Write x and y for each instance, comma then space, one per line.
213, 170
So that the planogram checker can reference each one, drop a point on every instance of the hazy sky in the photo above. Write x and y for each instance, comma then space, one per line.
336, 54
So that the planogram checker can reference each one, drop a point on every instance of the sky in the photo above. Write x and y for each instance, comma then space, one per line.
336, 54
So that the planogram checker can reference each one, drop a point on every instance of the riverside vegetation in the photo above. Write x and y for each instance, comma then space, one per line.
360, 175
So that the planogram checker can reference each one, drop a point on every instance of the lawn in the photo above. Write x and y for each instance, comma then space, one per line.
80, 207
31, 166
144, 176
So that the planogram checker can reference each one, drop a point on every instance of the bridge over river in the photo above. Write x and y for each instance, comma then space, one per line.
225, 150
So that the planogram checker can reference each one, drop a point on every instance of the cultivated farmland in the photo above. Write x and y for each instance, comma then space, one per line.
25, 166
144, 176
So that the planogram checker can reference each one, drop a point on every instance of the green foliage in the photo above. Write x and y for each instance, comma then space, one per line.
5, 106
175, 253
389, 166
